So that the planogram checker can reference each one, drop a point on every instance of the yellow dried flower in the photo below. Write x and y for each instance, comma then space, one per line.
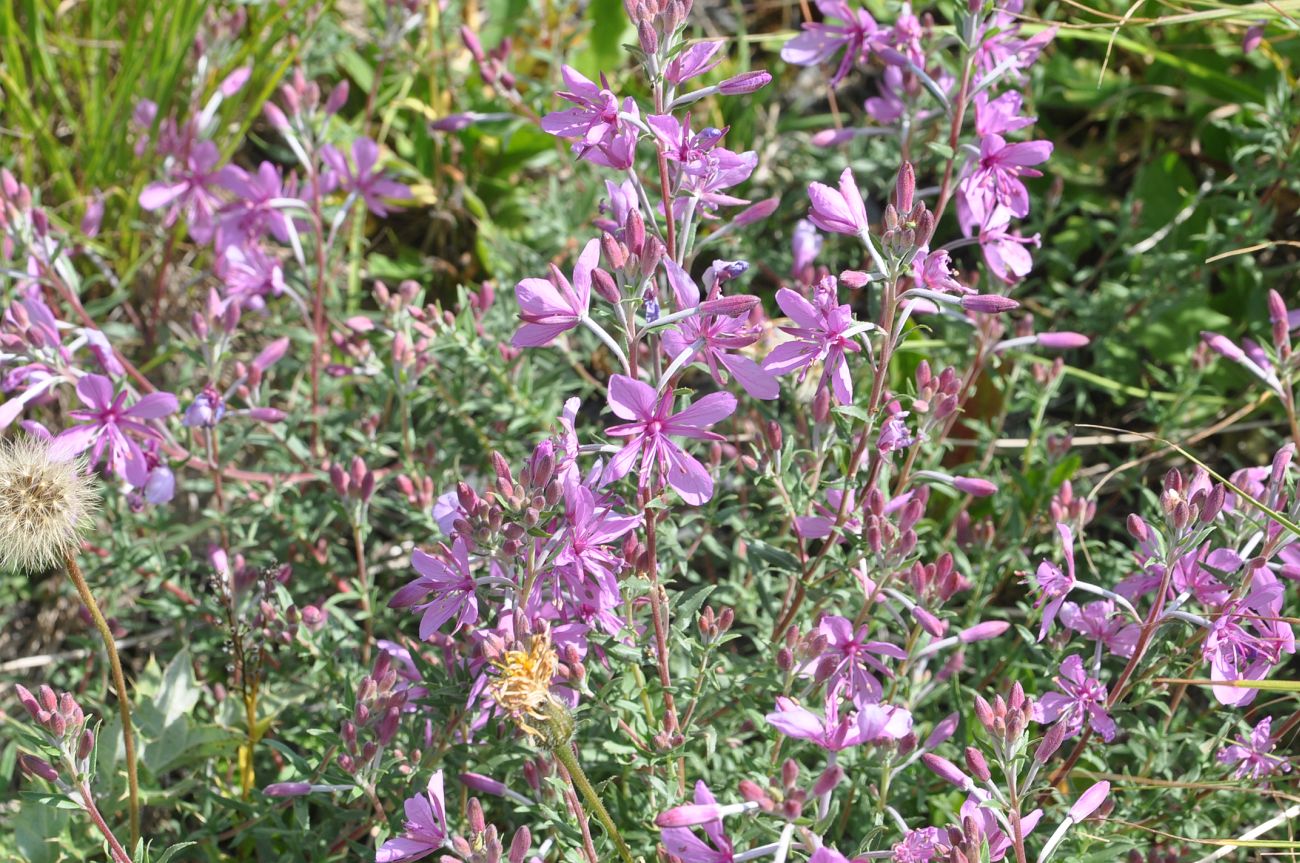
522, 686
45, 504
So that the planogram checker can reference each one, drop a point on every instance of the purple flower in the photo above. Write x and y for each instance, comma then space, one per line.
1100, 622
1251, 754
823, 333
836, 731
1082, 699
108, 424
365, 182
840, 211
451, 588
189, 191
253, 213
552, 306
1247, 639
921, 846
589, 530
600, 135
693, 61
996, 178
820, 42
807, 245
986, 822
1000, 115
681, 842
717, 339
650, 423
1003, 251
1054, 584
854, 657
425, 830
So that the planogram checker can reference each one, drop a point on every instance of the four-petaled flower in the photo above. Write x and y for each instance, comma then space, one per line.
823, 332
650, 423
819, 42
449, 584
1251, 754
425, 830
552, 306
681, 842
108, 424
1082, 699
1054, 584
364, 180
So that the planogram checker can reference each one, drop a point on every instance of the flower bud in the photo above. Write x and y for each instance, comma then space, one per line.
1089, 801
978, 767
1050, 743
946, 770
992, 304
905, 188
744, 83
287, 789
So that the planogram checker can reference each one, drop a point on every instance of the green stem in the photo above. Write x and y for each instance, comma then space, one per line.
565, 755
119, 683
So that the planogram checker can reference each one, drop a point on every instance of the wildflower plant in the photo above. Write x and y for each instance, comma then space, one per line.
506, 442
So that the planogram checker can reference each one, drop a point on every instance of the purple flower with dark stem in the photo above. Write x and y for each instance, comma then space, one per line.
824, 332
996, 177
676, 141
1197, 574
854, 656
448, 584
999, 843
1251, 754
425, 830
651, 421
364, 180
1054, 584
1101, 622
682, 843
820, 42
1082, 699
705, 180
552, 306
717, 339
108, 424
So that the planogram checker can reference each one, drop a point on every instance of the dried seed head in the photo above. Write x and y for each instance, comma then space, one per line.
45, 504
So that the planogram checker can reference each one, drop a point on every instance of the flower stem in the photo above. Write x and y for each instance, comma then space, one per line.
565, 755
119, 683
114, 846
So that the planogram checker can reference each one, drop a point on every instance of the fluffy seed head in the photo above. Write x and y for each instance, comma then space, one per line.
45, 504
523, 684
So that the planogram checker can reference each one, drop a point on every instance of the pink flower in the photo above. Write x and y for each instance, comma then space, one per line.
1054, 584
450, 586
854, 657
425, 830
681, 842
108, 424
367, 183
1082, 699
1004, 251
717, 339
693, 61
1247, 639
819, 42
552, 306
822, 334
921, 846
191, 191
600, 135
840, 211
996, 179
1251, 754
651, 422
1100, 622
835, 731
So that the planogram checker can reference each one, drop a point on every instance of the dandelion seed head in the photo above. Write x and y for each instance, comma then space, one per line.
45, 504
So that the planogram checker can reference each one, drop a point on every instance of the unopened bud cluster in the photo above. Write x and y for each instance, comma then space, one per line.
375, 719
64, 724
